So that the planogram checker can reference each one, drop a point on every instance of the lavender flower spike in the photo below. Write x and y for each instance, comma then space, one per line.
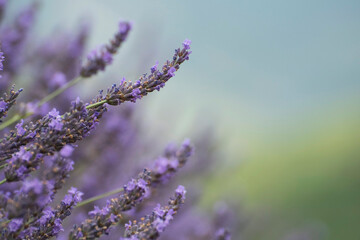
101, 220
7, 101
128, 91
50, 222
152, 225
98, 59
166, 166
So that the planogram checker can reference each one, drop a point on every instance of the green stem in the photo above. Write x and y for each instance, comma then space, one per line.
2, 166
3, 181
93, 199
10, 121
96, 104
59, 91
49, 97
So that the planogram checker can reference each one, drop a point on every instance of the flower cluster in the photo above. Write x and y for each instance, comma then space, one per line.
150, 226
99, 58
53, 141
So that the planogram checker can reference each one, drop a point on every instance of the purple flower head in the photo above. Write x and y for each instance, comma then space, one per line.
98, 211
99, 59
161, 165
66, 151
19, 127
15, 224
107, 57
76, 102
124, 27
128, 225
57, 226
136, 93
54, 113
131, 185
73, 197
180, 191
154, 68
21, 171
158, 210
186, 44
47, 215
56, 124
23, 154
172, 71
32, 185
3, 106
142, 184
174, 163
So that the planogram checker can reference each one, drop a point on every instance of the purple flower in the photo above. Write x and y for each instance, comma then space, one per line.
32, 185
153, 224
72, 198
23, 154
172, 71
181, 191
158, 210
15, 224
136, 93
57, 226
131, 185
154, 68
21, 171
3, 106
98, 211
19, 127
36, 154
56, 124
165, 167
47, 215
103, 56
8, 100
161, 165
186, 44
66, 151
54, 113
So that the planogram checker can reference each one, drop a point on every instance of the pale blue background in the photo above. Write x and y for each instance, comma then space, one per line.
253, 62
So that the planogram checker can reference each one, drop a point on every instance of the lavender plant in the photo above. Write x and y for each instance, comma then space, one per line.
53, 184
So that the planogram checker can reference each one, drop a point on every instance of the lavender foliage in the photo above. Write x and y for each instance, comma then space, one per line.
48, 146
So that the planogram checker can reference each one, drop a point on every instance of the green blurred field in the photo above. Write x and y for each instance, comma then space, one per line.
301, 172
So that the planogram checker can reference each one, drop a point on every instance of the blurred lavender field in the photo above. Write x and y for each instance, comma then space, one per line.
272, 86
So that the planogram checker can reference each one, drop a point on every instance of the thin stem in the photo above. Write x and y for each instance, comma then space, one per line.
96, 104
2, 166
49, 97
10, 121
93, 199
59, 91
3, 181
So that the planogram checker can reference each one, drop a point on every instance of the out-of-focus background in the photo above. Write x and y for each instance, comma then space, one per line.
278, 81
